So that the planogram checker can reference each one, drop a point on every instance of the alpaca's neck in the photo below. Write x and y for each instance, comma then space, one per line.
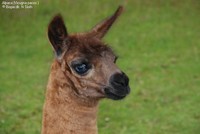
64, 112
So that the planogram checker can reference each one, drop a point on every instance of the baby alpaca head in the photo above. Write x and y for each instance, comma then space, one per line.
87, 62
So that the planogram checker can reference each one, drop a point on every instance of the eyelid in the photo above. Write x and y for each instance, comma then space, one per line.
80, 61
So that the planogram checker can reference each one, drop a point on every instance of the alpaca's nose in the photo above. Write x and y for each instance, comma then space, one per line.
120, 83
118, 86
119, 80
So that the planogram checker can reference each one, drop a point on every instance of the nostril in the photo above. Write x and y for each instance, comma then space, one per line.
119, 83
119, 79
126, 79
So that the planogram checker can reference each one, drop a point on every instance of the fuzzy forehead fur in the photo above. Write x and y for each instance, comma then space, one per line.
87, 47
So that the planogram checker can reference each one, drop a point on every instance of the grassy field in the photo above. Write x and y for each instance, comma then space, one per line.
158, 43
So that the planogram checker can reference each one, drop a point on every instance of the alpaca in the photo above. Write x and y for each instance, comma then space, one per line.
82, 73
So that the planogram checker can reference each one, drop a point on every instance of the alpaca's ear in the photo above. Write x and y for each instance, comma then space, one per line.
57, 34
101, 28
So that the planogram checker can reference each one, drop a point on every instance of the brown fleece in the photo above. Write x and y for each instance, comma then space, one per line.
64, 112
71, 101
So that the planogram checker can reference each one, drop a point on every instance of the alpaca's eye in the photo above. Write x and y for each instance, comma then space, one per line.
115, 60
81, 68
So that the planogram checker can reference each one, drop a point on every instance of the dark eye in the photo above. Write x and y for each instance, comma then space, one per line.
115, 60
81, 68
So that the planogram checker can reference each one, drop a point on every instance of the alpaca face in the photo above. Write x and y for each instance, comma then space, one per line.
87, 61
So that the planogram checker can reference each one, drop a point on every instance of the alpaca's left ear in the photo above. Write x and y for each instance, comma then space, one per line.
102, 28
57, 34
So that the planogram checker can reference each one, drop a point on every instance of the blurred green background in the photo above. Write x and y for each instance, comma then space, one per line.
158, 43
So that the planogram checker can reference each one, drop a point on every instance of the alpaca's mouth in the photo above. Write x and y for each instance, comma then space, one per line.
116, 94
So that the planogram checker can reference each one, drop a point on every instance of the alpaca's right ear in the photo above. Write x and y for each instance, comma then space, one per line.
57, 34
102, 28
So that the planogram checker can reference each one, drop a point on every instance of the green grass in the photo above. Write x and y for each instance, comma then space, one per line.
158, 43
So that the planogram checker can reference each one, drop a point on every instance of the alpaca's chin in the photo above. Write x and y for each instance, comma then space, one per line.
116, 94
